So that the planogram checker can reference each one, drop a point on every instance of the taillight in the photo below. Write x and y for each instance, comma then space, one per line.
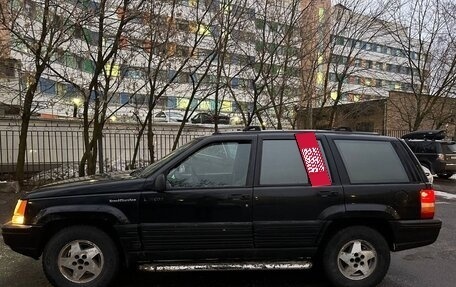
427, 203
19, 212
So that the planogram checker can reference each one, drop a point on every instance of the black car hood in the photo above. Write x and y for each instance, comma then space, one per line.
103, 183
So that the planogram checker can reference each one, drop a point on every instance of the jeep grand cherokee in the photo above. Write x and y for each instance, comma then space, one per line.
246, 200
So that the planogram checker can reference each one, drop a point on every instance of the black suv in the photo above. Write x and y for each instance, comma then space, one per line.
245, 200
435, 153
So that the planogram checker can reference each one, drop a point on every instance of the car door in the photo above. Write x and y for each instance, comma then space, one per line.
288, 211
207, 205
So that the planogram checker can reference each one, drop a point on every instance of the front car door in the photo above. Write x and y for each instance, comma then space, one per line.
290, 213
207, 206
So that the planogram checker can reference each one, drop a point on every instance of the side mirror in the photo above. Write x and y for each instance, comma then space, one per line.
160, 183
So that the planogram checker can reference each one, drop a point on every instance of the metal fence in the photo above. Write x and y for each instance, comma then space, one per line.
54, 153
392, 133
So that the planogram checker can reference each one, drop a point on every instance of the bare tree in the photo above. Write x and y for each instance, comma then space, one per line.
353, 26
172, 44
425, 30
41, 27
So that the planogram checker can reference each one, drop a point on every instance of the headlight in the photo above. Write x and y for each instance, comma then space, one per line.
19, 212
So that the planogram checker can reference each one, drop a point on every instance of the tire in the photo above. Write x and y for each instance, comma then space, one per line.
67, 258
345, 257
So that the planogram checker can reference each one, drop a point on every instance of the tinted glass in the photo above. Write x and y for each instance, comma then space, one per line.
423, 146
217, 165
371, 162
449, 148
281, 163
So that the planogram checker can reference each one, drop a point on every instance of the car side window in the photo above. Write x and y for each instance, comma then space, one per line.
217, 165
371, 161
281, 163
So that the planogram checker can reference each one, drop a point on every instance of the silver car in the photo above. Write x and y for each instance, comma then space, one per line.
168, 116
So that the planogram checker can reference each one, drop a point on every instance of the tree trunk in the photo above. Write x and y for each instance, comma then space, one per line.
150, 142
26, 114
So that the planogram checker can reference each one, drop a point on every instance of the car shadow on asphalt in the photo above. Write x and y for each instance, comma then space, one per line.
267, 278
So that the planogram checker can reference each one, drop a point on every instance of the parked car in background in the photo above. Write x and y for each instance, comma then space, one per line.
207, 118
239, 200
168, 116
433, 151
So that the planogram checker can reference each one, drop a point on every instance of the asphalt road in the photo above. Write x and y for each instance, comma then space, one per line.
433, 265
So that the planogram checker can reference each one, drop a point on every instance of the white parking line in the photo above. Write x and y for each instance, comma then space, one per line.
445, 195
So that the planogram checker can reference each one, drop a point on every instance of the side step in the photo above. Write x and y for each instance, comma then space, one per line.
224, 266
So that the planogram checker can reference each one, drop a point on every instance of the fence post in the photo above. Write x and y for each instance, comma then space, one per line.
100, 155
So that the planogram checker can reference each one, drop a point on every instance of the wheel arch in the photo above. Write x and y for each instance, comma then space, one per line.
382, 226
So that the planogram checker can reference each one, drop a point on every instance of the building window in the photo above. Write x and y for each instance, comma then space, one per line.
70, 60
357, 62
88, 66
47, 86
171, 76
340, 40
124, 98
171, 103
235, 83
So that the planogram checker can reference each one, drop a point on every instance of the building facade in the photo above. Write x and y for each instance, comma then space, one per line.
224, 55
357, 58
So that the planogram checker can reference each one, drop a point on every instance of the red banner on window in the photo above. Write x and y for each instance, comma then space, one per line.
313, 159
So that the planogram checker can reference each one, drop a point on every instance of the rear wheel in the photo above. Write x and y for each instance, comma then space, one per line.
356, 256
82, 256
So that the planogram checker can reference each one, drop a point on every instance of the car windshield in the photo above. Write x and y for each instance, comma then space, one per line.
147, 171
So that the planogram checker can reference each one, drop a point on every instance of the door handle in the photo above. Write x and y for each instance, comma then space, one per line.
237, 196
329, 193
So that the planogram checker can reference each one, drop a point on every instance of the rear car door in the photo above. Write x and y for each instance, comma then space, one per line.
377, 177
288, 211
206, 206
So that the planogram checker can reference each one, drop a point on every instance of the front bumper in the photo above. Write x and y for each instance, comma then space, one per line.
24, 239
409, 234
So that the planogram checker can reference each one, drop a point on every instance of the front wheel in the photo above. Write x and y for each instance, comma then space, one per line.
80, 256
356, 256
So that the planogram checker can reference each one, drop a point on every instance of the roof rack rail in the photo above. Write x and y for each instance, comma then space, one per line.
252, 128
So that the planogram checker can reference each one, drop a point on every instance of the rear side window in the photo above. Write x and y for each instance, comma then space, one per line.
423, 146
449, 148
371, 161
281, 163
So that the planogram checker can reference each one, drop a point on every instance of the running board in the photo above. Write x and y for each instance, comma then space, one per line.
224, 266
